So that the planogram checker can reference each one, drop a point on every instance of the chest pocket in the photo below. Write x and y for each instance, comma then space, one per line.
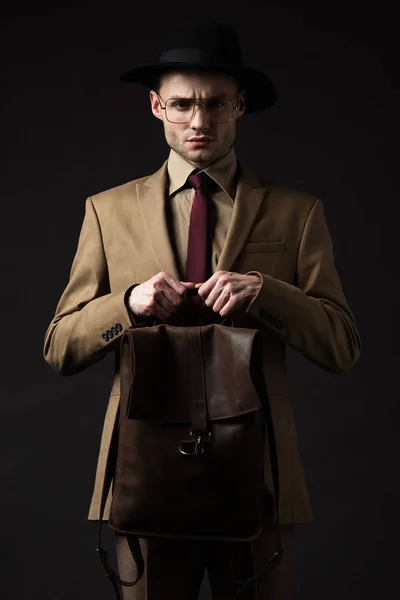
265, 257
263, 247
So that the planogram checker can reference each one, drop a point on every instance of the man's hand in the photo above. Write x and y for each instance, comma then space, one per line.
226, 292
160, 296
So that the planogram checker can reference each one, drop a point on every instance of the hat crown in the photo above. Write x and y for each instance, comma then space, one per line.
210, 40
209, 46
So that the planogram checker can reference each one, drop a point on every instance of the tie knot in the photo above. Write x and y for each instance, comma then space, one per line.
197, 180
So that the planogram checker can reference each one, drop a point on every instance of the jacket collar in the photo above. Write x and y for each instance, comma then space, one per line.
222, 171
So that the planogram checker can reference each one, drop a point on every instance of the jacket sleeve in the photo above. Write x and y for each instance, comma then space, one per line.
89, 320
313, 316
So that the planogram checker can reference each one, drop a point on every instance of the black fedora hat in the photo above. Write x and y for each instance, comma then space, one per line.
209, 46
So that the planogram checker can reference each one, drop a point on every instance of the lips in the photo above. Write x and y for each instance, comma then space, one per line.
200, 139
199, 142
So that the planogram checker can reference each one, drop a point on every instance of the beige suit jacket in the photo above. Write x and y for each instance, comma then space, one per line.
278, 232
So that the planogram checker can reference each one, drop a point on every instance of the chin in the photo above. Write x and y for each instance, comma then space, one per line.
202, 153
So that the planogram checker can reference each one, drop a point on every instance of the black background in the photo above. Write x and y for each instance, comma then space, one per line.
70, 129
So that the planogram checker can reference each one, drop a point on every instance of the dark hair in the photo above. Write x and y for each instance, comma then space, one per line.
157, 82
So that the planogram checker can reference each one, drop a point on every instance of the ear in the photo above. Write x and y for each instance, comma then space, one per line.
155, 105
241, 103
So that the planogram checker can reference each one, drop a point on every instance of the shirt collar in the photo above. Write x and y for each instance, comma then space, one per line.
222, 171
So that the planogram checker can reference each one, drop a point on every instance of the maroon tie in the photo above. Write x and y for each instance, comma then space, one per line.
196, 263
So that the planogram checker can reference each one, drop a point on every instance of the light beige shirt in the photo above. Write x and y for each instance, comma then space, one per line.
179, 204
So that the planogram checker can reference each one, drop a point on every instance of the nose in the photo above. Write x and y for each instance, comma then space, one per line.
199, 120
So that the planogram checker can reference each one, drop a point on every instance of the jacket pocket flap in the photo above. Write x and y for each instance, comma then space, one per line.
263, 247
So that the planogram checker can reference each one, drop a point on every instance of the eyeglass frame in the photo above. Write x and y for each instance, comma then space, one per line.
197, 102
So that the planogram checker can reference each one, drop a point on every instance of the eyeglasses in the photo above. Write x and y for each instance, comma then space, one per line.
181, 110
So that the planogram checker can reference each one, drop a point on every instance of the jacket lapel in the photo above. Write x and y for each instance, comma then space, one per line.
151, 198
250, 193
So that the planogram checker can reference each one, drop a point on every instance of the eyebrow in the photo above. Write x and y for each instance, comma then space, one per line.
191, 98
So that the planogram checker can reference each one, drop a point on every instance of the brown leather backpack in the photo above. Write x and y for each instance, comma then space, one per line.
187, 454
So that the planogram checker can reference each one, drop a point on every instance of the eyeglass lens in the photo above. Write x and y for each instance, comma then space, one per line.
181, 110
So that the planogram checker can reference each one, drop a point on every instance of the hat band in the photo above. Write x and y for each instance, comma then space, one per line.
192, 55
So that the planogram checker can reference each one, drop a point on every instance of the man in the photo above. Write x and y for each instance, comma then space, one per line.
268, 261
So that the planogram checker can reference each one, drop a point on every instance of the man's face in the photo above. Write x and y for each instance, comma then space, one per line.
198, 141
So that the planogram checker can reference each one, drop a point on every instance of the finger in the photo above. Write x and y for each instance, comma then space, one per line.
157, 290
161, 311
169, 287
173, 283
189, 284
227, 309
222, 299
220, 287
228, 305
168, 298
206, 287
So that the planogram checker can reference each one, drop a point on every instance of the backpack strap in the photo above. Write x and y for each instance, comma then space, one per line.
276, 557
134, 542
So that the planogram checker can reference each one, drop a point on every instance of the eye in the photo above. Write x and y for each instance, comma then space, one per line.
214, 103
181, 104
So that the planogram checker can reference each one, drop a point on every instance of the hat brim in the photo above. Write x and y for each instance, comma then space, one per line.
260, 91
